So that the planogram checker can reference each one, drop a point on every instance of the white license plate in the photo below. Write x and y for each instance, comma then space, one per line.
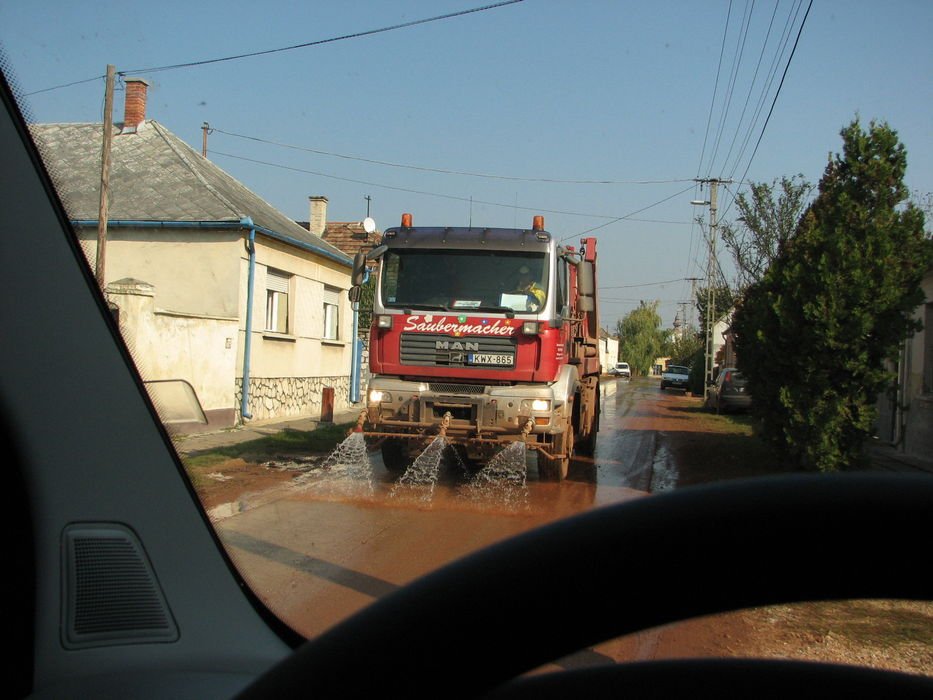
476, 358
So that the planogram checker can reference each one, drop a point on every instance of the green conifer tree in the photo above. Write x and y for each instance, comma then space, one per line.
814, 333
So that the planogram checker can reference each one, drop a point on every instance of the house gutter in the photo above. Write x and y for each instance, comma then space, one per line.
356, 354
248, 331
247, 224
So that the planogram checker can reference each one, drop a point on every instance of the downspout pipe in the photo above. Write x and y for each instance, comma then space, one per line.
247, 222
356, 350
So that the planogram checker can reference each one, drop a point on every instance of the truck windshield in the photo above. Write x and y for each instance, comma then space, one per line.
464, 280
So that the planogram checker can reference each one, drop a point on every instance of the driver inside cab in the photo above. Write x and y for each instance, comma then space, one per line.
527, 285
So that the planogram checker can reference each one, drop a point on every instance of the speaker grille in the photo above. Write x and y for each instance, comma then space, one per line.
111, 593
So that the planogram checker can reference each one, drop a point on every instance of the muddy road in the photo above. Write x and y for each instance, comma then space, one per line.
330, 540
336, 538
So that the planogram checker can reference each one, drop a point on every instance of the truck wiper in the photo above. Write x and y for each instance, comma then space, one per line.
507, 310
422, 307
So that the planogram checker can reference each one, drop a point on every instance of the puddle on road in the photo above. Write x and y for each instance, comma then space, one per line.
664, 473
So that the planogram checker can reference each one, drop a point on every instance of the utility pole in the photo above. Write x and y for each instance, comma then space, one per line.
103, 212
711, 264
205, 130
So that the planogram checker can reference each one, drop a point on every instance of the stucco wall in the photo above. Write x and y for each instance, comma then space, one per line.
182, 297
194, 272
302, 352
165, 346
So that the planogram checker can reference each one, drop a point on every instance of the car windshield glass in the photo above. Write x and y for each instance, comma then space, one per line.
354, 411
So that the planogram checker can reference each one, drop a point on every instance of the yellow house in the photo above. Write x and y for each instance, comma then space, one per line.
224, 302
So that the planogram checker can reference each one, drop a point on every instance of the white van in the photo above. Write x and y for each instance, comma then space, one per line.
621, 370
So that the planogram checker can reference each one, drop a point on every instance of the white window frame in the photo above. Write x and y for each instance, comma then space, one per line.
331, 302
277, 298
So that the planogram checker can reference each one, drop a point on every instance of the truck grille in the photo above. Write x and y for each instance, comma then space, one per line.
457, 388
429, 350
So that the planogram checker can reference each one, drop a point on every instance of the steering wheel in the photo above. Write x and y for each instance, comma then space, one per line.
473, 627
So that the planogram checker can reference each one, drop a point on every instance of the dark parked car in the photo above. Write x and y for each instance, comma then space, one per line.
729, 392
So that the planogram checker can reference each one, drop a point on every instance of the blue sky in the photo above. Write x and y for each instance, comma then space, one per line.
598, 114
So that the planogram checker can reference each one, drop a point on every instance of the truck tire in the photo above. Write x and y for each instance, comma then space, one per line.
587, 446
394, 455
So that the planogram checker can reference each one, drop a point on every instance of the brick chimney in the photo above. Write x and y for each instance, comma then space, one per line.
318, 221
134, 109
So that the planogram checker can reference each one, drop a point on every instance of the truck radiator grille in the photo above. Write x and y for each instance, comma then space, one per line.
457, 388
429, 350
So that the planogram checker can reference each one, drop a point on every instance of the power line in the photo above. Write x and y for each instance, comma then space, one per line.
443, 171
612, 218
782, 45
627, 216
355, 35
709, 119
645, 284
774, 101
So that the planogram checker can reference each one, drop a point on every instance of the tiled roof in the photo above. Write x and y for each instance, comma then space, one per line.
155, 176
350, 237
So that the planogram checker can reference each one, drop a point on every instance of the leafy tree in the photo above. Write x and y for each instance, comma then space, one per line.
814, 333
764, 224
682, 348
641, 339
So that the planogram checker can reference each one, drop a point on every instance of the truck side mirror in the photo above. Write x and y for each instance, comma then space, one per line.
359, 269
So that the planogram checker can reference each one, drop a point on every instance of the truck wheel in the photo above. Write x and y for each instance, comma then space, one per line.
587, 446
394, 456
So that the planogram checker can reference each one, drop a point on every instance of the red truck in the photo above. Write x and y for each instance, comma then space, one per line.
486, 336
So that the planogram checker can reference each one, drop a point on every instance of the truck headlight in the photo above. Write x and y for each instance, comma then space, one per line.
540, 405
377, 396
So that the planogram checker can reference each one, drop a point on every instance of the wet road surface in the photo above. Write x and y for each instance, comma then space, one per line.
353, 532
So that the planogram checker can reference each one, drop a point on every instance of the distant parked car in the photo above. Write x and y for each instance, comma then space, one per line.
675, 377
621, 369
729, 392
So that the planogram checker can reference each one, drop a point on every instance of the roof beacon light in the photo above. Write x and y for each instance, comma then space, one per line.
406, 220
537, 223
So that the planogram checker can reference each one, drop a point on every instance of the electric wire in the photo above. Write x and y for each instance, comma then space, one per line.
319, 42
442, 171
612, 218
727, 104
783, 44
774, 101
712, 104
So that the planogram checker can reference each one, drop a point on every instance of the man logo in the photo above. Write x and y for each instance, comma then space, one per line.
455, 345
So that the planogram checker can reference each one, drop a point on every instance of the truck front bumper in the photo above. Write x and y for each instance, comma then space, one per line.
469, 414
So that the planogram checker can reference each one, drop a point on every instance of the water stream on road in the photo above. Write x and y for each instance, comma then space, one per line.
419, 480
503, 481
347, 471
